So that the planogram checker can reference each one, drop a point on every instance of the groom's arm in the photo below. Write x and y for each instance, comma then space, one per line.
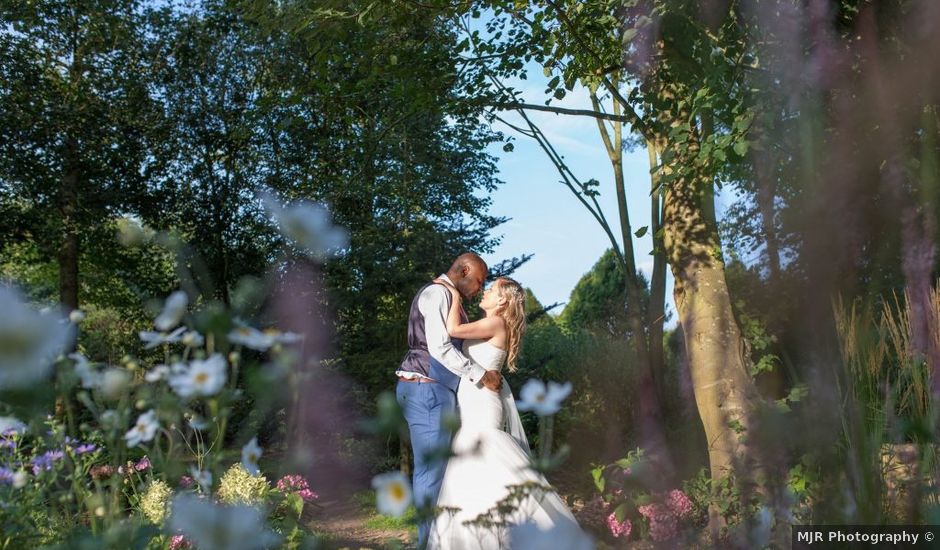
434, 305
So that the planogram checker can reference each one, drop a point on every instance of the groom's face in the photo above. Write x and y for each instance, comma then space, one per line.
472, 281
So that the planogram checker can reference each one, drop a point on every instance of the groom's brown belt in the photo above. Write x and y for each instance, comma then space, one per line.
419, 380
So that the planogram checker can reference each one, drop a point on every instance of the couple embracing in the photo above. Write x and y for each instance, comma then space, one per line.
453, 367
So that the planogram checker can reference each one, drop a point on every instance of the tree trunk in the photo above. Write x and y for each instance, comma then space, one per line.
723, 388
657, 307
69, 247
652, 436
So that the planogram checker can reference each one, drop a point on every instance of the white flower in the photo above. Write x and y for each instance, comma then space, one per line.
251, 452
11, 424
210, 525
261, 340
201, 377
203, 478
144, 430
564, 534
19, 479
160, 372
154, 339
309, 225
392, 493
29, 341
77, 316
83, 368
173, 310
114, 382
251, 338
192, 339
544, 401
198, 423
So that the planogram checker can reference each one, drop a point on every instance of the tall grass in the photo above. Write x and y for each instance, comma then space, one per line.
888, 421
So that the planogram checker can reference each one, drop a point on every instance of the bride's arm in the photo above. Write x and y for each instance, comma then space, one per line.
482, 329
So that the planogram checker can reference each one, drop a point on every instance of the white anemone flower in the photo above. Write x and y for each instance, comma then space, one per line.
309, 225
251, 453
11, 424
173, 310
261, 340
210, 525
543, 400
192, 339
114, 382
154, 339
392, 493
160, 372
144, 430
29, 341
564, 534
90, 377
202, 478
201, 377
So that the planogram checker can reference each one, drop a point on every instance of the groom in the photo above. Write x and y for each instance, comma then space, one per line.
430, 373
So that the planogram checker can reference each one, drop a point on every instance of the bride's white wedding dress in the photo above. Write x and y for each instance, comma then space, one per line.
488, 460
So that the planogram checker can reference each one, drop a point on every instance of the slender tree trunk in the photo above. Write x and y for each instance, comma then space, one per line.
657, 307
723, 388
69, 246
651, 423
766, 194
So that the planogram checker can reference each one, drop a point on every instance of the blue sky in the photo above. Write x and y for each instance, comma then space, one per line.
546, 219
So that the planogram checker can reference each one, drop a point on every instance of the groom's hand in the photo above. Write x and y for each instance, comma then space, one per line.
492, 380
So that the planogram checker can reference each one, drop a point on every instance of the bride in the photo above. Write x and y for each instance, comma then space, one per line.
490, 466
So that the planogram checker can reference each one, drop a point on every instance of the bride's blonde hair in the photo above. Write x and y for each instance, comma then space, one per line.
513, 313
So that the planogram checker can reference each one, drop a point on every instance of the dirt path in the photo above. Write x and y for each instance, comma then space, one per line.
342, 522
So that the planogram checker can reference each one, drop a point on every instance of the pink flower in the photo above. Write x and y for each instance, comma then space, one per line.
619, 528
662, 520
144, 464
296, 484
186, 482
178, 543
679, 503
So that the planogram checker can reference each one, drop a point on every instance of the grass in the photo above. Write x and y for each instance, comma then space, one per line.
366, 501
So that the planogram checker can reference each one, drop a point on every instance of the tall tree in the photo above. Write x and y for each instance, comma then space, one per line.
75, 108
681, 68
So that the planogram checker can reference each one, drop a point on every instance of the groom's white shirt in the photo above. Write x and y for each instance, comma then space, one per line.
434, 305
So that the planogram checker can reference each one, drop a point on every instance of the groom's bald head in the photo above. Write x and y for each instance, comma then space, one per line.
468, 272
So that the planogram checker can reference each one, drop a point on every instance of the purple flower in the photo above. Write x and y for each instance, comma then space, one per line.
85, 448
7, 443
144, 464
45, 460
6, 476
186, 482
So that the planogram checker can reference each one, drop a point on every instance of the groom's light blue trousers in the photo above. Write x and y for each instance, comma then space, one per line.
425, 406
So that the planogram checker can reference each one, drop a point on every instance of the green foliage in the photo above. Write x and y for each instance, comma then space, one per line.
599, 299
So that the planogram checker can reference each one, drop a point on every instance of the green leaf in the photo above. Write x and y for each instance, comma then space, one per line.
508, 147
598, 475
641, 231
553, 83
628, 35
620, 512
740, 147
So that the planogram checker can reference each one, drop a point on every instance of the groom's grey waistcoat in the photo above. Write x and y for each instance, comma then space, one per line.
418, 359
